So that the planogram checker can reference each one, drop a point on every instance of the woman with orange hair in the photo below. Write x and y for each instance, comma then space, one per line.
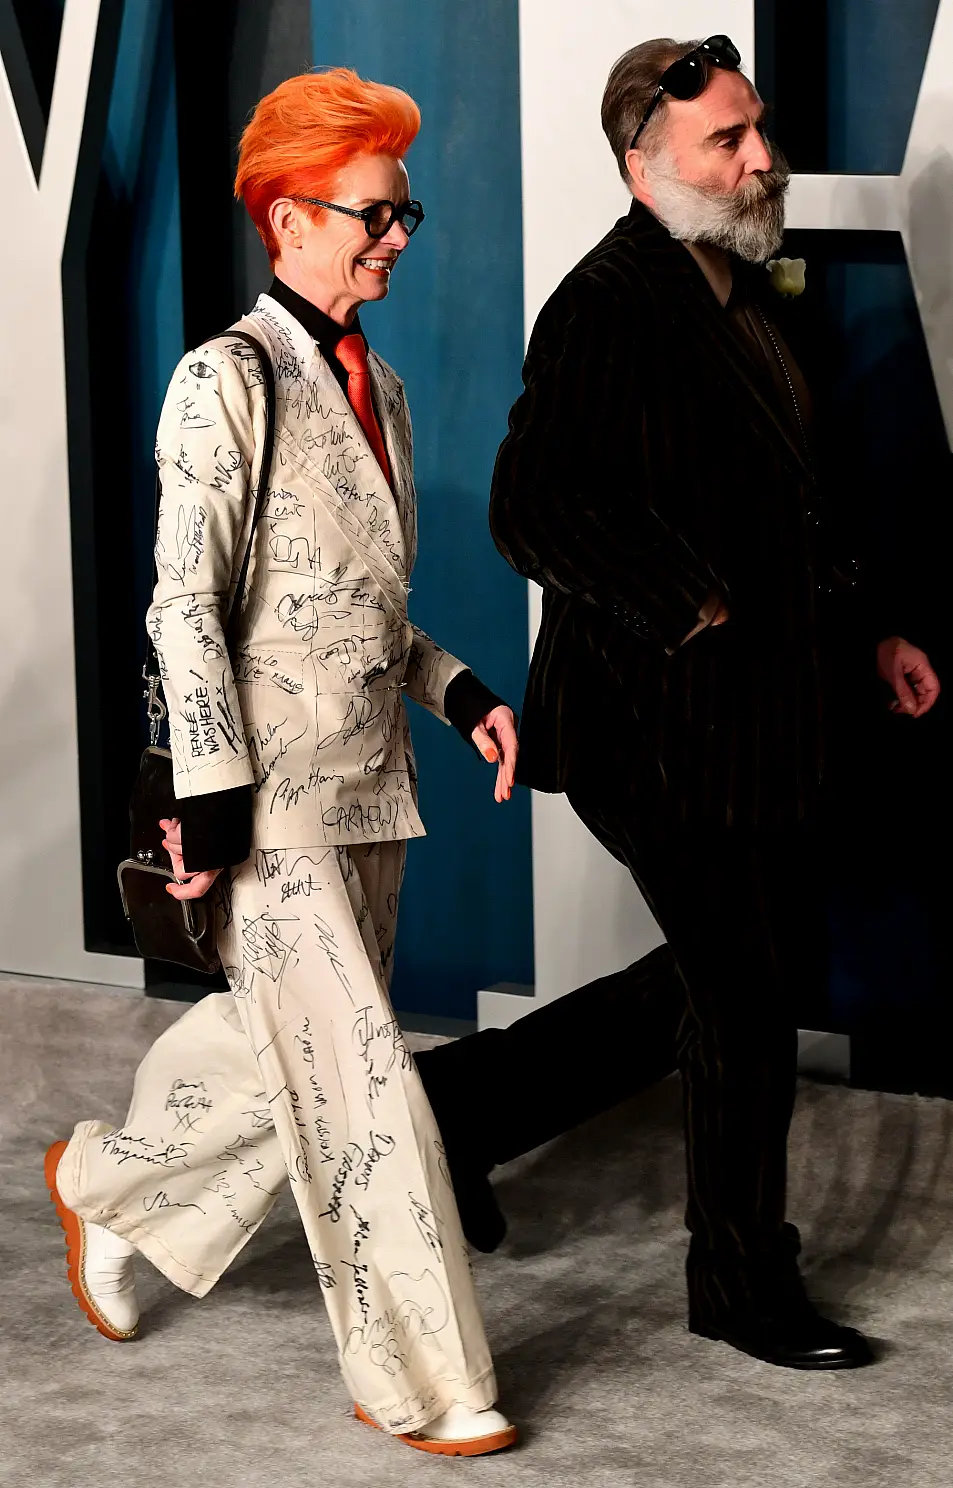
296, 795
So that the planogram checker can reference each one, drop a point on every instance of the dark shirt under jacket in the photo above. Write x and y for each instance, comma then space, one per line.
216, 828
754, 321
325, 331
651, 461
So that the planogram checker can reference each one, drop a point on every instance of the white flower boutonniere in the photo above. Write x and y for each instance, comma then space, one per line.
787, 275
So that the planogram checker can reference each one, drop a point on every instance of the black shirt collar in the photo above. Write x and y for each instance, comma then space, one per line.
748, 283
325, 331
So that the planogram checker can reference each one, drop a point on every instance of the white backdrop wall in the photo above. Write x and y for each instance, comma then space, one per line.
41, 912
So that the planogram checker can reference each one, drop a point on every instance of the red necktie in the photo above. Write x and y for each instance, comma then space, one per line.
352, 354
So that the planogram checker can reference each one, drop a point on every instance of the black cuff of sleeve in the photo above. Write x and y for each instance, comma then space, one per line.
883, 622
466, 701
216, 829
878, 616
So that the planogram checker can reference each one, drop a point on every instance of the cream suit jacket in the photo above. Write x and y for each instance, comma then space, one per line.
309, 710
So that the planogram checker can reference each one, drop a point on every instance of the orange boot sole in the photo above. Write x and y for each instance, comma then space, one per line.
75, 1230
477, 1446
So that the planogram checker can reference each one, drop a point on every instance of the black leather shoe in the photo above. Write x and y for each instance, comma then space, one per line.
800, 1339
480, 1215
764, 1309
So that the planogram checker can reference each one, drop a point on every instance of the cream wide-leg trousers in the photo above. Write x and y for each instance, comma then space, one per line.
301, 1072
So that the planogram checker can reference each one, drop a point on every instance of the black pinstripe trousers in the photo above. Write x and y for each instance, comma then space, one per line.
743, 921
741, 913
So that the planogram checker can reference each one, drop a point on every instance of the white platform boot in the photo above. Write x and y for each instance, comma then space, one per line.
99, 1265
459, 1432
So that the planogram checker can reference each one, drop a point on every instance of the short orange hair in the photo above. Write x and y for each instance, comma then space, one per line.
307, 131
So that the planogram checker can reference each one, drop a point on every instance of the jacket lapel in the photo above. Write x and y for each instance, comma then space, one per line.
320, 431
748, 370
394, 416
707, 324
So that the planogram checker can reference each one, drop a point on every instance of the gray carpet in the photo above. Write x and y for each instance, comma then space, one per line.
584, 1309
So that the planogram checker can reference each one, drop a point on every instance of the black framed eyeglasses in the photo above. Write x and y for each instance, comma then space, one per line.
379, 217
688, 77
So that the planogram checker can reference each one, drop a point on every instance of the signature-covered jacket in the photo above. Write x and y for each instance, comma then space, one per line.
309, 708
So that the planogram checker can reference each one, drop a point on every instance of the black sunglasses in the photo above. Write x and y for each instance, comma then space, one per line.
379, 217
688, 77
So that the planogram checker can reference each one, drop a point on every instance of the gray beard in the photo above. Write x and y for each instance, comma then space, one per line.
749, 222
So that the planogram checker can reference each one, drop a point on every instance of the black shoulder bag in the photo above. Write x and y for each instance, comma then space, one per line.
164, 928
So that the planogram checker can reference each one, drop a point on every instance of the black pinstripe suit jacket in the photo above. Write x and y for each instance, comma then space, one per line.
650, 461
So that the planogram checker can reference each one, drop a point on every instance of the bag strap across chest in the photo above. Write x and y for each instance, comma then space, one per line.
155, 706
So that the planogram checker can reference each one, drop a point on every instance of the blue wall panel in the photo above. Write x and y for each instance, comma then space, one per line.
452, 327
876, 52
140, 170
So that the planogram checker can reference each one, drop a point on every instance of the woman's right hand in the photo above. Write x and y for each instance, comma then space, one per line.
190, 885
495, 737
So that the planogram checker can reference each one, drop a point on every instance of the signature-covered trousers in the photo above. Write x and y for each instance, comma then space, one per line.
301, 1073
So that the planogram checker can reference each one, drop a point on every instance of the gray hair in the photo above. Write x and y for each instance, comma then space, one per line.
631, 88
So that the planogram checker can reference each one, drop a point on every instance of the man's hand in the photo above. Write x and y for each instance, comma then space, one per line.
192, 885
495, 737
713, 612
908, 671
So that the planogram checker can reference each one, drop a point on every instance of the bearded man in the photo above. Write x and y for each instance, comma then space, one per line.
658, 481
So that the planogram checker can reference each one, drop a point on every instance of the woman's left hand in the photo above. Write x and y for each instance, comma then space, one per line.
495, 737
